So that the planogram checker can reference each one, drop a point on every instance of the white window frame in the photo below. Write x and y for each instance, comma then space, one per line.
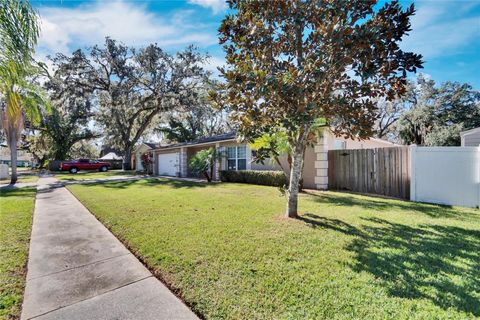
236, 157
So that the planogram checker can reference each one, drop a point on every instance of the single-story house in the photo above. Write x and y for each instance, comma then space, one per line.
24, 158
470, 138
172, 160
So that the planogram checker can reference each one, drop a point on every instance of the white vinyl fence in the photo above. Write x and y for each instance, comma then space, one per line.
445, 175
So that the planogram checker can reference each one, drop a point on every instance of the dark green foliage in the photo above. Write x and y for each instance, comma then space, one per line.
203, 162
435, 116
177, 131
198, 120
266, 178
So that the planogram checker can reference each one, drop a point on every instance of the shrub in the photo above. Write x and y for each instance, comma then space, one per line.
266, 178
202, 163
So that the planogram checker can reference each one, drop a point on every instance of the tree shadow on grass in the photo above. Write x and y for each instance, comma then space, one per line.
176, 184
434, 262
17, 192
383, 204
315, 221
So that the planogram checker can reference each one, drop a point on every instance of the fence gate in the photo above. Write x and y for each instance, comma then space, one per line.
384, 171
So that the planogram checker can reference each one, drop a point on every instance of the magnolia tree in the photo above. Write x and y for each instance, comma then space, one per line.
291, 62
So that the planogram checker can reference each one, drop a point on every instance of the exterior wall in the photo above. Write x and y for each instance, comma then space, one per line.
309, 170
356, 144
446, 175
321, 163
183, 162
136, 161
471, 140
269, 164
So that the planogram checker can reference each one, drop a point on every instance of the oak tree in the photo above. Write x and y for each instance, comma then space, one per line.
435, 115
133, 87
199, 120
70, 121
290, 62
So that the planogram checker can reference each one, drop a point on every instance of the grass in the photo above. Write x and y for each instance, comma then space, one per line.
86, 175
23, 178
229, 253
16, 208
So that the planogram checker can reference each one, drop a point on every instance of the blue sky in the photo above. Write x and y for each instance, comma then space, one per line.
447, 33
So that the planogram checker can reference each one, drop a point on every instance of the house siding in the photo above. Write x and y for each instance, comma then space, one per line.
471, 140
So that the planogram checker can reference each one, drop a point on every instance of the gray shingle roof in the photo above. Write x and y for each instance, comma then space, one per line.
216, 138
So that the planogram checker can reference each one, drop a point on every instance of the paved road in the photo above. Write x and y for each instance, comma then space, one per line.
78, 270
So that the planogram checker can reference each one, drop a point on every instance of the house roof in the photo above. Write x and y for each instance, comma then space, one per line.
227, 137
468, 132
152, 145
147, 146
111, 156
384, 141
220, 137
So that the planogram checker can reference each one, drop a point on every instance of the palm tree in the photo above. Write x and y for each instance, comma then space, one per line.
19, 31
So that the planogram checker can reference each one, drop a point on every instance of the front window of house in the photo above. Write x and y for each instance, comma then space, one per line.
237, 158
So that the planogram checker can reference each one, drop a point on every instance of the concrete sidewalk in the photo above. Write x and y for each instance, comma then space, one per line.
78, 270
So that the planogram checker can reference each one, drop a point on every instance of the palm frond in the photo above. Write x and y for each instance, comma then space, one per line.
19, 31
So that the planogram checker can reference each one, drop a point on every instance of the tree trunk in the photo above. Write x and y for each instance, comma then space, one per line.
62, 152
12, 143
294, 186
209, 179
286, 172
127, 159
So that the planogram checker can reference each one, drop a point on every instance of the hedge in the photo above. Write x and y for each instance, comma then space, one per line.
266, 178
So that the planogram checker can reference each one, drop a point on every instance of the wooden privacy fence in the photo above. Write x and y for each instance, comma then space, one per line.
384, 171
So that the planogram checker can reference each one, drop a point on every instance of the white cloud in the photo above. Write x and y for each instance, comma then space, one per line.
216, 5
66, 29
442, 28
213, 63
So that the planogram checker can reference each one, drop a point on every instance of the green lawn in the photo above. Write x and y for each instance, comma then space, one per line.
229, 253
24, 178
16, 208
86, 175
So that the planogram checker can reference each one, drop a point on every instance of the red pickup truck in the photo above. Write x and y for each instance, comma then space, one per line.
84, 164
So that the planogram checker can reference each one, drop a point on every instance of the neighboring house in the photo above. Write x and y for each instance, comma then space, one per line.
172, 160
106, 150
24, 159
470, 138
111, 156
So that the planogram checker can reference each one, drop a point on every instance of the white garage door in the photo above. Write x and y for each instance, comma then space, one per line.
167, 164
